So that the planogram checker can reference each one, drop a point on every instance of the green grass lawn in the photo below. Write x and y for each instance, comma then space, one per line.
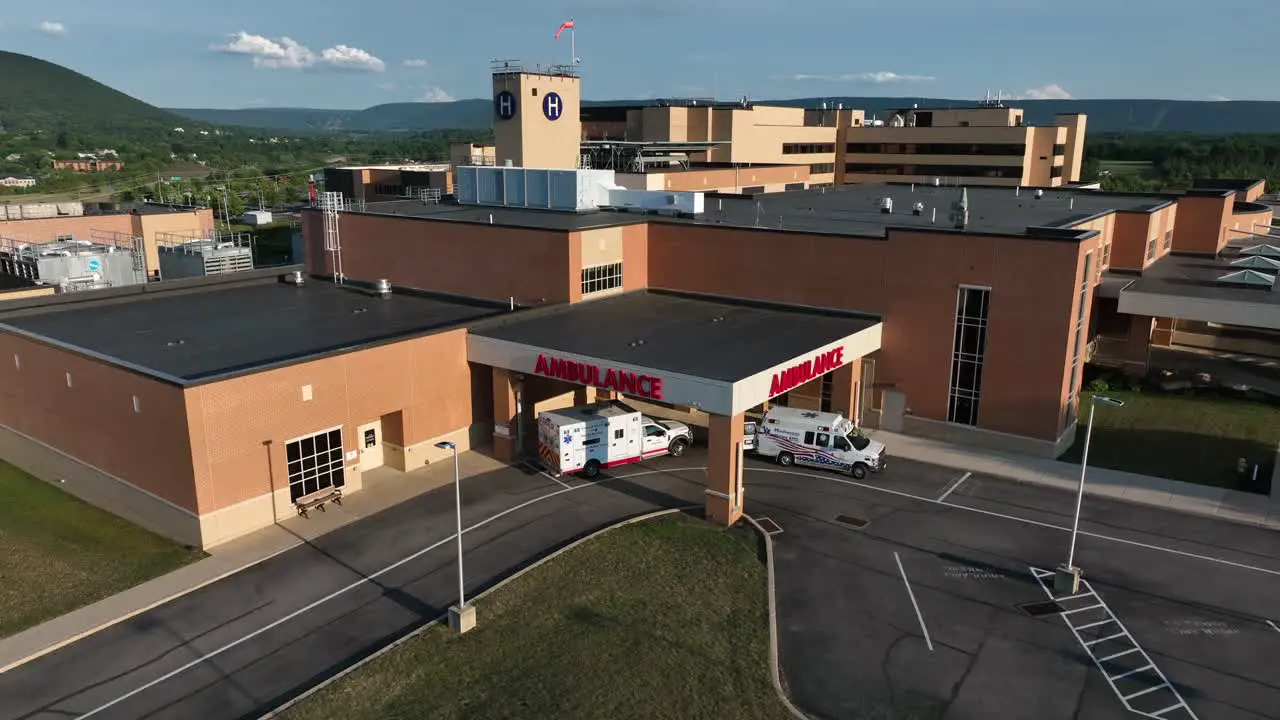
58, 553
1127, 167
1193, 438
663, 619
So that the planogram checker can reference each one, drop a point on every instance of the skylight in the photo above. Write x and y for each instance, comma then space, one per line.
1257, 262
1270, 251
1252, 278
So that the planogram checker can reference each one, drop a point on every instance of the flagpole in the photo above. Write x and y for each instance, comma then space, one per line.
573, 46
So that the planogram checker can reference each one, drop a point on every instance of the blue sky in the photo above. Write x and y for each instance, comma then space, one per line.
331, 54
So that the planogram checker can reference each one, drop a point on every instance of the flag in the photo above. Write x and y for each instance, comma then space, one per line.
567, 25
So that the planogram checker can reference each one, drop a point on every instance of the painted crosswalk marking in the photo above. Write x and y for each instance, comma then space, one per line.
1151, 694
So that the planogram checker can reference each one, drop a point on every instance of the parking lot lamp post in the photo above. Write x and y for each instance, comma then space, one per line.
461, 617
1067, 579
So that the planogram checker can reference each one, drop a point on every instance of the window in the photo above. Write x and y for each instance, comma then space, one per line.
65, 238
1168, 239
753, 190
807, 148
808, 438
1151, 249
824, 440
821, 168
789, 187
842, 443
601, 277
1078, 339
315, 463
620, 433
1106, 255
968, 352
651, 431
824, 396
1059, 149
1055, 171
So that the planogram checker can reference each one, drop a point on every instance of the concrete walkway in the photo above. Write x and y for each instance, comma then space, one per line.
1224, 504
383, 488
1248, 508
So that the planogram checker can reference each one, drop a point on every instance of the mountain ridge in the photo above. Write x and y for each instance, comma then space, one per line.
1105, 116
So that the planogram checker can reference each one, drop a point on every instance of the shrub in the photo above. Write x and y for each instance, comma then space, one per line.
1099, 385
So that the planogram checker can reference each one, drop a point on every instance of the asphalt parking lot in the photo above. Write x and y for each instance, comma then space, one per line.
1194, 596
1170, 597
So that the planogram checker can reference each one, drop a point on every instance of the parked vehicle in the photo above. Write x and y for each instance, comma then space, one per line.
589, 438
818, 439
750, 429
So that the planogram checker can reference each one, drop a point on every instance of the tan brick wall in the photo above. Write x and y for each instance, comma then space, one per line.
94, 419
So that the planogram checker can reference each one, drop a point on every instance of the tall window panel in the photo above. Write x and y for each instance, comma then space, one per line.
972, 306
315, 463
1078, 340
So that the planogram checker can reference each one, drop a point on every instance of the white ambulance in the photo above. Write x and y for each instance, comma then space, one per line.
818, 439
589, 438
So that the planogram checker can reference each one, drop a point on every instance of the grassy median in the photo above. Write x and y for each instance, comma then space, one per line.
1189, 437
662, 619
58, 553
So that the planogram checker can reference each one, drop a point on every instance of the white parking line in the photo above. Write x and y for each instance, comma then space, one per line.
368, 578
953, 487
1037, 523
914, 604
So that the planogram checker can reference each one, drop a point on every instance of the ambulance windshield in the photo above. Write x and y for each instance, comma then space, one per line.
860, 441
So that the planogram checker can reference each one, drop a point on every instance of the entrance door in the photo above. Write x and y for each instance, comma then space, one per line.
369, 436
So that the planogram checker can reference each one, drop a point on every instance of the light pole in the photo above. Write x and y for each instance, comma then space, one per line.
461, 617
1067, 579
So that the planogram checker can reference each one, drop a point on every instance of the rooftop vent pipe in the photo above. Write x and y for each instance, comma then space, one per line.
383, 287
295, 278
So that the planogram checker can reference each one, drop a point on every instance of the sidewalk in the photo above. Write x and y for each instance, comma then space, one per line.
383, 488
1176, 495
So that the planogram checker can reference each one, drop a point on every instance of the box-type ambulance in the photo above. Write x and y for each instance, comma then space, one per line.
589, 438
818, 439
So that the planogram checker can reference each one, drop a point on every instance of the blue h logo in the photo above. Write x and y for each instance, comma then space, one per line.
552, 106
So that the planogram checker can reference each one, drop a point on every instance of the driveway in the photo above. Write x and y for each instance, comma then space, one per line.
1170, 597
856, 596
252, 641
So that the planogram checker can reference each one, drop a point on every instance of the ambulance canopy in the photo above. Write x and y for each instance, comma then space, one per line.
719, 355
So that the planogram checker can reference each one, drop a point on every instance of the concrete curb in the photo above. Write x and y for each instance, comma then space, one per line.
499, 585
136, 611
774, 667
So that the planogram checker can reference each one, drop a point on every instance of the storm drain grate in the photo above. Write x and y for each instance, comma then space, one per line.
853, 522
1040, 609
769, 526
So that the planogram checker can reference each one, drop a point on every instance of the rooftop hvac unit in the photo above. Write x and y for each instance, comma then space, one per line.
886, 205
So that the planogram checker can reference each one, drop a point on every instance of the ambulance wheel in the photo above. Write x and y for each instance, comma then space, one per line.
859, 471
786, 459
592, 469
677, 448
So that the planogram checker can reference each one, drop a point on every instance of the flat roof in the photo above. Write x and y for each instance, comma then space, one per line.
1193, 276
855, 209
696, 335
562, 221
213, 330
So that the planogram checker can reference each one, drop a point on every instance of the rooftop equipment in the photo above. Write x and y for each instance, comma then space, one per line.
203, 253
72, 265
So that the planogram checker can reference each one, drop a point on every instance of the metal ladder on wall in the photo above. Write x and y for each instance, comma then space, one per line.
1130, 672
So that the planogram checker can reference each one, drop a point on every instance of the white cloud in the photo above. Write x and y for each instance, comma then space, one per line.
415, 63
1045, 92
350, 58
55, 29
879, 77
289, 54
435, 95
